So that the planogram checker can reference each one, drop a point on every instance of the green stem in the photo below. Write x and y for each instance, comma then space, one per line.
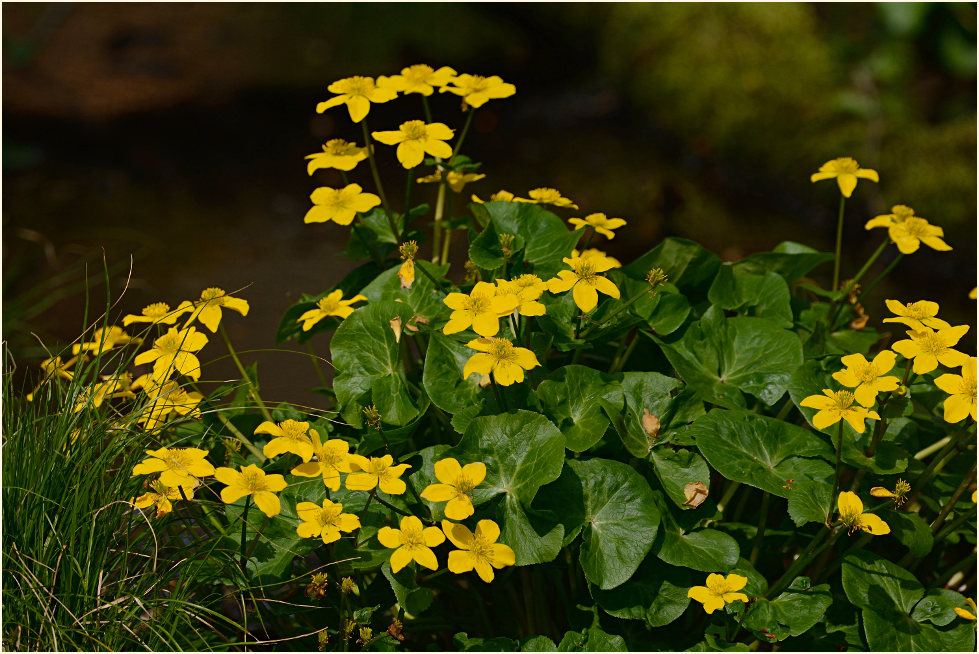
253, 391
952, 526
428, 110
879, 429
236, 432
462, 136
591, 233
373, 163
836, 475
243, 560
812, 551
620, 362
411, 487
947, 453
408, 187
966, 562
499, 396
786, 408
839, 245
437, 227
394, 508
316, 364
445, 244
528, 601
881, 277
926, 452
963, 485
762, 521
622, 307
856, 278
728, 494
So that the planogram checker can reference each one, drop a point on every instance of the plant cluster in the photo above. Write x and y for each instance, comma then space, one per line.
558, 450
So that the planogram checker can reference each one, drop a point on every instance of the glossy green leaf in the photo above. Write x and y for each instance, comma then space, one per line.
762, 296
722, 357
442, 376
423, 298
910, 530
677, 468
592, 639
761, 451
578, 399
788, 259
414, 598
662, 397
706, 550
538, 644
938, 607
792, 613
547, 240
809, 501
687, 265
656, 594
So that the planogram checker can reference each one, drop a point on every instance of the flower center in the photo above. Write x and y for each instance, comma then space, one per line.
464, 484
867, 373
846, 166
932, 344
584, 269
481, 548
477, 83
414, 130
209, 295
168, 343
418, 73
545, 194
337, 146
156, 310
178, 460
328, 304
358, 85
253, 480
502, 350
478, 304
330, 516
295, 430
412, 539
844, 400
915, 310
916, 227
902, 213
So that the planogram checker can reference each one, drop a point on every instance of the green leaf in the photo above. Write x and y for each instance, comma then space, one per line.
414, 598
792, 613
442, 377
486, 251
790, 260
910, 530
377, 231
423, 298
656, 594
368, 365
538, 644
522, 452
687, 265
560, 319
721, 357
761, 451
463, 643
762, 296
706, 550
809, 501
547, 239
664, 312
578, 399
662, 396
938, 607
592, 639
887, 631
677, 468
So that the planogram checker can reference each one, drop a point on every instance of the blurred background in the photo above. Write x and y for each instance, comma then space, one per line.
168, 141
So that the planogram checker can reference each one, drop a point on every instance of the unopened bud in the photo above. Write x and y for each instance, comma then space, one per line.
373, 417
656, 278
506, 244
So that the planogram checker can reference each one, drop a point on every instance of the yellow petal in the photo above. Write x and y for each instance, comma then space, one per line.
389, 537
268, 502
873, 525
848, 503
448, 470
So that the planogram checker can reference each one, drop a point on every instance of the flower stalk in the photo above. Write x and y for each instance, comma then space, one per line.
252, 390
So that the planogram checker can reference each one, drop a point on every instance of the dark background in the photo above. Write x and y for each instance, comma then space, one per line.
174, 135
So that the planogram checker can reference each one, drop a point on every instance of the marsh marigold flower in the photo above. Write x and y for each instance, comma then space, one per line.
853, 517
929, 347
476, 90
909, 234
174, 351
835, 406
339, 205
846, 171
330, 460
357, 93
901, 488
916, 315
208, 308
163, 400
720, 590
413, 542
599, 222
454, 179
868, 378
178, 466
970, 614
415, 139
527, 289
376, 472
162, 496
478, 550
501, 358
110, 389
420, 78
899, 213
326, 521
481, 310
546, 195
500, 196
331, 305
157, 312
595, 253
253, 481
457, 484
105, 339
338, 154
585, 281
288, 436
961, 389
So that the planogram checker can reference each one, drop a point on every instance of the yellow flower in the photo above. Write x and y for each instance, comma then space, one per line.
420, 78
163, 400
339, 205
415, 139
853, 517
527, 289
972, 293
413, 542
834, 406
331, 305
157, 312
928, 348
289, 436
53, 367
585, 280
377, 472
174, 352
476, 89
104, 340
481, 310
908, 235
916, 315
500, 196
901, 488
326, 521
597, 254
253, 481
867, 377
331, 460
546, 195
961, 389
179, 466
899, 213
357, 93
968, 615
208, 308
338, 154
454, 179
600, 222
477, 551
501, 358
110, 389
846, 171
161, 495
720, 590
456, 487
